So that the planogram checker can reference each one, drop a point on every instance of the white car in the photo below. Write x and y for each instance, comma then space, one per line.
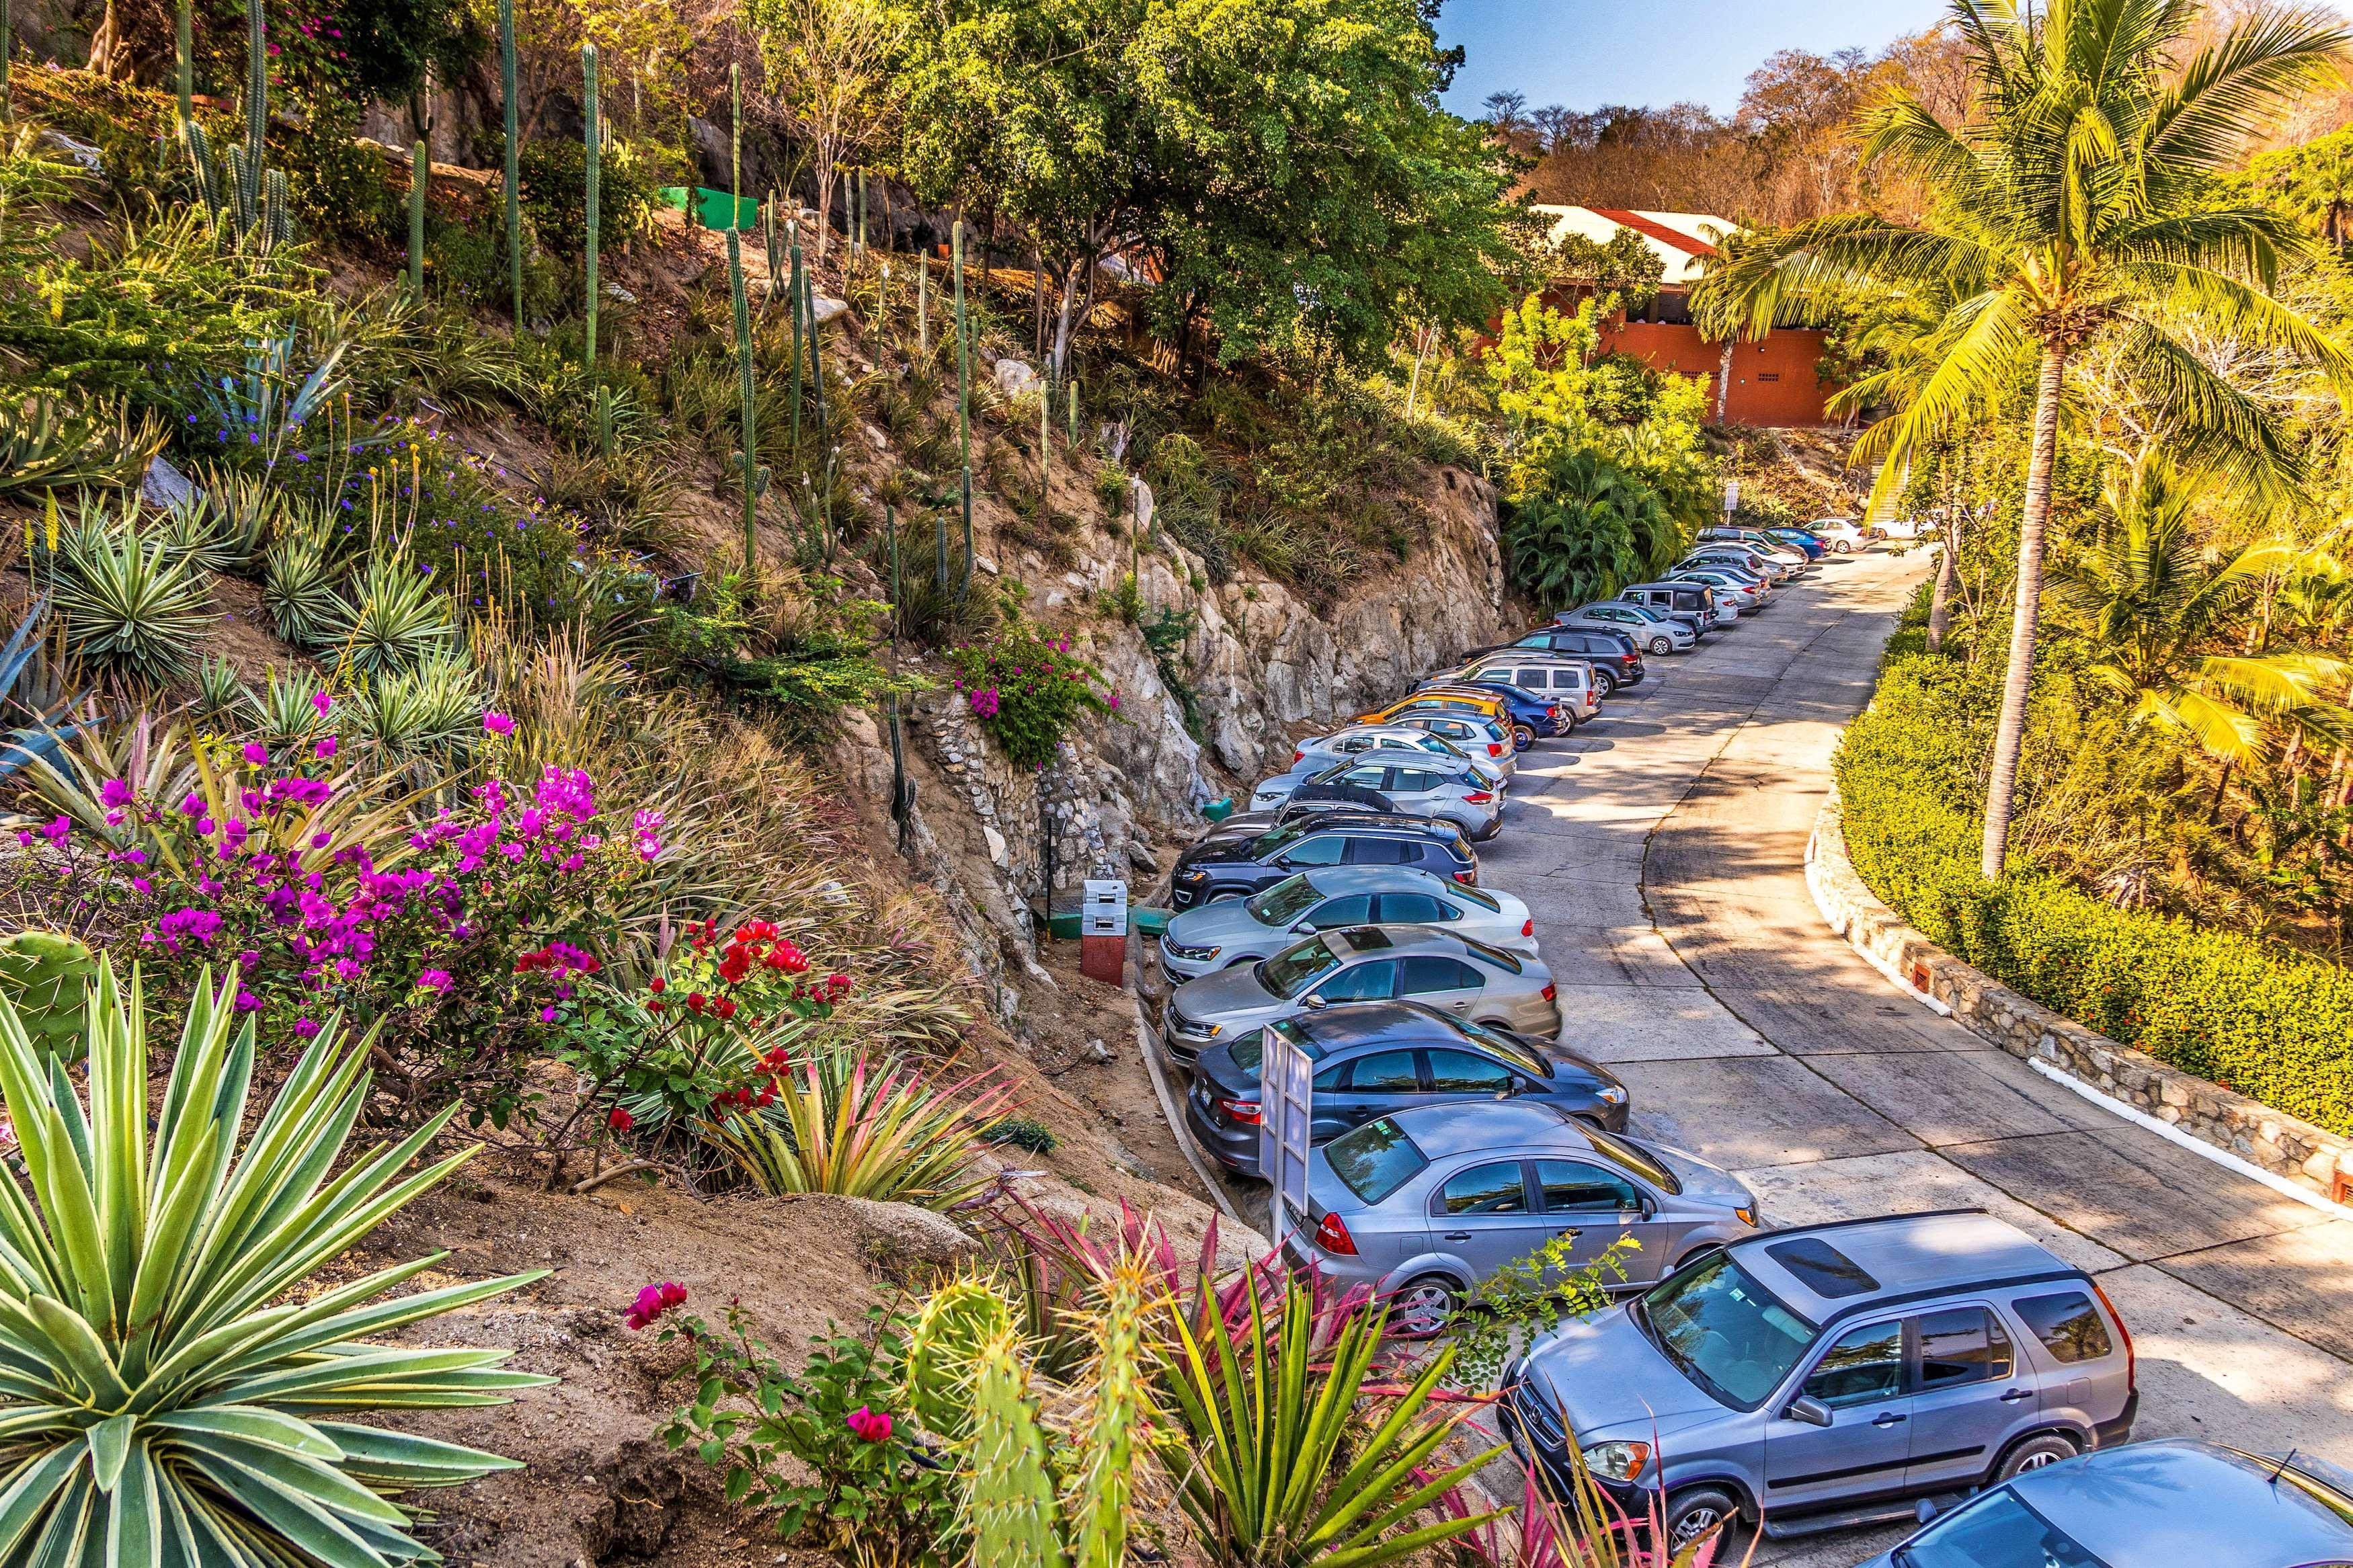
1342, 744
1242, 931
1840, 535
1906, 528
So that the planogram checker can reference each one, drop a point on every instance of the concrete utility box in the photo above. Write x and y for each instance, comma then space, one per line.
1103, 934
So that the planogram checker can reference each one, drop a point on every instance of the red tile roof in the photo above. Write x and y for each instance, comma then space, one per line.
1688, 244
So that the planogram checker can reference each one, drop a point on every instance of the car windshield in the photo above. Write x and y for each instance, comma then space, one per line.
1295, 968
1374, 1160
1998, 1531
1286, 902
1503, 1046
1725, 1331
1637, 1161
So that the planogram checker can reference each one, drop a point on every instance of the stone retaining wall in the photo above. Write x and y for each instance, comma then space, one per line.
2263, 1137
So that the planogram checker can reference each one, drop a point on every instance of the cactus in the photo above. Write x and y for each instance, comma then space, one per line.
816, 358
277, 213
7, 47
1096, 1492
793, 385
734, 146
1012, 1512
924, 307
605, 421
590, 132
964, 409
43, 974
940, 546
420, 180
256, 113
208, 174
768, 247
184, 35
513, 167
1074, 411
749, 458
1045, 455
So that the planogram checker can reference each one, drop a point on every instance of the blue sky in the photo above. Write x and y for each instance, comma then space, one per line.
1586, 53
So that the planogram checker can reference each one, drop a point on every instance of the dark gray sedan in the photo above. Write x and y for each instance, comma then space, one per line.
1373, 1057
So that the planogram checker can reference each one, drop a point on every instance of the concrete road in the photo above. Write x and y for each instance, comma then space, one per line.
1662, 850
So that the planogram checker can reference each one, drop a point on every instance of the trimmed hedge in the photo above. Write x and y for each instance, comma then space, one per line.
2265, 1021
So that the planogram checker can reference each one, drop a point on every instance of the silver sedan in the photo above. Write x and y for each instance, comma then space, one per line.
1341, 744
1416, 783
1243, 931
1366, 964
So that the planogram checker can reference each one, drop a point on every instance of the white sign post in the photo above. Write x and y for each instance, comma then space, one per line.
1286, 1090
1731, 497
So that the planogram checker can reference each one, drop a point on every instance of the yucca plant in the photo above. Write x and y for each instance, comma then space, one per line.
868, 1131
215, 537
49, 443
286, 711
132, 609
221, 694
435, 705
397, 618
1291, 1472
167, 1393
297, 589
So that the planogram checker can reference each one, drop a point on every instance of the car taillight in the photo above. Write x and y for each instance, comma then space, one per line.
1627, 659
1550, 992
1298, 756
1495, 748
1552, 712
1245, 1112
1333, 1237
2132, 1366
1478, 797
1468, 878
1528, 926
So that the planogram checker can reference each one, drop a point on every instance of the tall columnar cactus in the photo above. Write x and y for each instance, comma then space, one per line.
257, 111
277, 212
184, 36
421, 181
816, 357
513, 166
755, 478
924, 307
734, 146
208, 174
769, 247
591, 133
793, 383
7, 47
964, 406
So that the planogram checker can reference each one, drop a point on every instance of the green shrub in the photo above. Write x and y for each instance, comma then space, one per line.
555, 195
1028, 691
337, 184
2250, 1016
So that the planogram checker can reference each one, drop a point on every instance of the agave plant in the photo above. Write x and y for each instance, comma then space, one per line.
225, 525
38, 688
1289, 1474
866, 1131
132, 608
286, 712
221, 695
297, 589
169, 1381
435, 705
47, 443
397, 619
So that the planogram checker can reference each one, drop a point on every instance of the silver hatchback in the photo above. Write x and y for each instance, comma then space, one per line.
1243, 931
1425, 1203
1826, 1374
1367, 963
1652, 631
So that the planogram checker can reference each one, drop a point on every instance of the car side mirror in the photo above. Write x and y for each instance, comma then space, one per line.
1807, 1409
1314, 1002
1925, 1511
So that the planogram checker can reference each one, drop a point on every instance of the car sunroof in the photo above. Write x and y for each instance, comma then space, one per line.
1821, 1267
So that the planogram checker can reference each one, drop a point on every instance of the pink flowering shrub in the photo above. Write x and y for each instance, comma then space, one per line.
1027, 689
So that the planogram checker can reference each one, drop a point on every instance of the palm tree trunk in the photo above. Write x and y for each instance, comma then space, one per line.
2001, 784
1940, 602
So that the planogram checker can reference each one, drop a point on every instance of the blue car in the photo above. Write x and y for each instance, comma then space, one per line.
1814, 548
1533, 716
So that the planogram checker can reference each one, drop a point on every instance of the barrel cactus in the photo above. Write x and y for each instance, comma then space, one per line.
45, 976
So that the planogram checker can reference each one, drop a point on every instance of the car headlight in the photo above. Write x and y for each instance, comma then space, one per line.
1617, 1461
1191, 955
1193, 1028
1611, 1094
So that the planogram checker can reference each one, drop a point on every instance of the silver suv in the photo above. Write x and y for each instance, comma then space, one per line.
1816, 1377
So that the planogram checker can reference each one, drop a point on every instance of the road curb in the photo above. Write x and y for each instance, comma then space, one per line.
2282, 1151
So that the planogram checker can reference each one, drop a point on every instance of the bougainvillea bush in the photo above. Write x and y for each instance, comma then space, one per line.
1027, 689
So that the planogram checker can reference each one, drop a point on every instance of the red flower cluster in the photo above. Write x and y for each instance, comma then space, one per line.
652, 1302
756, 943
619, 1120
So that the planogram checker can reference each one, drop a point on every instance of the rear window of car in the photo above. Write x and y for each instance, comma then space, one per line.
1478, 896
2069, 1326
1375, 1160
1638, 1161
1822, 1268
1495, 955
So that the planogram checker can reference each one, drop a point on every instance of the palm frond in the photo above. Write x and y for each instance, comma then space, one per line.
2225, 93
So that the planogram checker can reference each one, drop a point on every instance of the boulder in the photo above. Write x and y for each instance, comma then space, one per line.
1015, 378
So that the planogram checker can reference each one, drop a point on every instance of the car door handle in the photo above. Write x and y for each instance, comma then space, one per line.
1456, 1235
2015, 1395
1885, 1419
1571, 1235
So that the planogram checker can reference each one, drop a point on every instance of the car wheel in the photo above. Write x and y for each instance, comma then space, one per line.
1606, 681
1842, 547
1662, 646
1223, 896
1695, 1514
1523, 737
2032, 1455
1420, 1306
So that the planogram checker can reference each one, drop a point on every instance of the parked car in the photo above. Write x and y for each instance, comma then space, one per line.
1423, 1205
1780, 551
1235, 865
1366, 964
1533, 716
1745, 595
1496, 764
1615, 659
1905, 527
1568, 681
1413, 782
1815, 548
1472, 732
1374, 1058
1243, 931
1689, 603
2174, 1500
1484, 705
1740, 555
1831, 1370
1843, 534
1653, 631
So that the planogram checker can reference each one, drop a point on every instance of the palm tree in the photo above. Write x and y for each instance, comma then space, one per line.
2080, 200
2156, 605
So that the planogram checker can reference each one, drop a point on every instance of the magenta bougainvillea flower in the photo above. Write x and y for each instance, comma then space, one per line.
652, 1302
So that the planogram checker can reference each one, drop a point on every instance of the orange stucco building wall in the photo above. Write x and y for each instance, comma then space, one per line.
1773, 381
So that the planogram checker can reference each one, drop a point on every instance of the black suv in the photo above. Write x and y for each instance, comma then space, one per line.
1237, 864
1615, 661
1373, 1057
